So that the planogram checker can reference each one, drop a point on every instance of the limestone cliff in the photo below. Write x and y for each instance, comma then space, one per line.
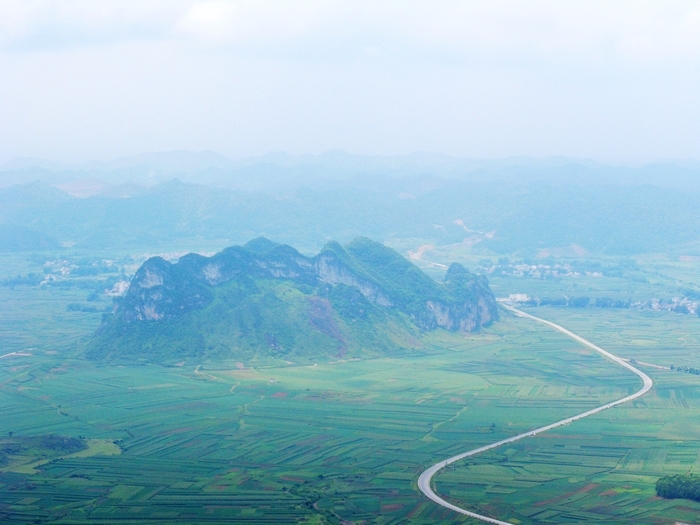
269, 296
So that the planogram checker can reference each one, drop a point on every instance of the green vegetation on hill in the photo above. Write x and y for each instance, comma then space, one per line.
265, 300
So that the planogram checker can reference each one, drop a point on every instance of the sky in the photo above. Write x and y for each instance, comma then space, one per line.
614, 81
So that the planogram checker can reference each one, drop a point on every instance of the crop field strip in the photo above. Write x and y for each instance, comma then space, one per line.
425, 483
180, 467
200, 441
662, 338
649, 436
495, 484
220, 447
37, 320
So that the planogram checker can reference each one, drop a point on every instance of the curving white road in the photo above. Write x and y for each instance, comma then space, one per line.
424, 482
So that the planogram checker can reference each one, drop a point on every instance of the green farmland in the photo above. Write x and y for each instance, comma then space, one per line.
344, 442
605, 467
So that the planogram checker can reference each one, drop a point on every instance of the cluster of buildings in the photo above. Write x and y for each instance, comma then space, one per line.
679, 305
535, 271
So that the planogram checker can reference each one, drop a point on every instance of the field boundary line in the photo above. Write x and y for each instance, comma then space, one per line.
425, 479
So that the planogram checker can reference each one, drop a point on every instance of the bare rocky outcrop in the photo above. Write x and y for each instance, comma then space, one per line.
331, 270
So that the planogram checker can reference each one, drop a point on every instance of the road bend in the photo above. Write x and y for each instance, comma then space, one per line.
425, 479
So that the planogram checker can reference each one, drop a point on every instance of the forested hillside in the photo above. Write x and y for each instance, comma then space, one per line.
265, 300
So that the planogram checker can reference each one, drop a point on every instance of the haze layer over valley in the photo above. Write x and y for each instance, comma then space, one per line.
514, 205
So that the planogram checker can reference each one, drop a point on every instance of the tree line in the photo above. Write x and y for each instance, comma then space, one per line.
686, 369
679, 486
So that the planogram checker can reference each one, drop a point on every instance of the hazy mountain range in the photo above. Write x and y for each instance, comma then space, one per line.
281, 169
501, 206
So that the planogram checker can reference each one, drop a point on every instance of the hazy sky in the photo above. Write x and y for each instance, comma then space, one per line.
616, 81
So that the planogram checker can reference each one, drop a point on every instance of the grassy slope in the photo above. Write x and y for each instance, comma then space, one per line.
263, 320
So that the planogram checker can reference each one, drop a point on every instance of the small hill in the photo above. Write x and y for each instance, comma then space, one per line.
266, 300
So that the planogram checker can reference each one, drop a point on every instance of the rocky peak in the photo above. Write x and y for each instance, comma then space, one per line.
161, 290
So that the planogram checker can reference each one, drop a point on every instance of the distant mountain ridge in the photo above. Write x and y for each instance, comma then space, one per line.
615, 220
276, 169
268, 300
200, 200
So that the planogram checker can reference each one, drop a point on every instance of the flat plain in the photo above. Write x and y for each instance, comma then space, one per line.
603, 468
334, 442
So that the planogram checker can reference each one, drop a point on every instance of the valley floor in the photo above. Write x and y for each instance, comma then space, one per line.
346, 441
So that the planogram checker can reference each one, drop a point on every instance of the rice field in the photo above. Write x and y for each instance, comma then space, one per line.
344, 442
603, 469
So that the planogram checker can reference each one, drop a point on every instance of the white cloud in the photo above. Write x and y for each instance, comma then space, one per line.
488, 78
248, 22
537, 30
50, 24
209, 21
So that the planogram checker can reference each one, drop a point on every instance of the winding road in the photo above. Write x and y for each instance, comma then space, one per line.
424, 482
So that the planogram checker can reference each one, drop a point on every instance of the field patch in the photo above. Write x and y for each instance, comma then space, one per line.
349, 439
